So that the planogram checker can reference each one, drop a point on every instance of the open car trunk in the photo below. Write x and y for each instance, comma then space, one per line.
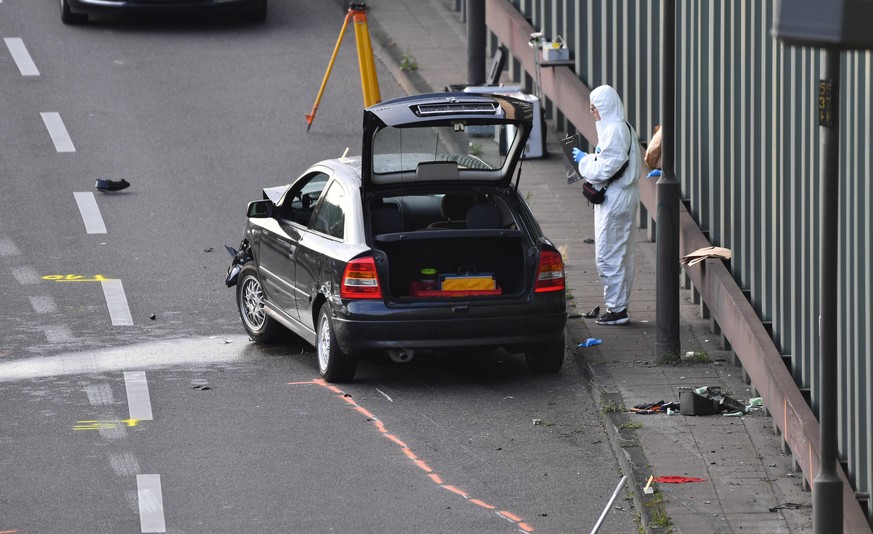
480, 264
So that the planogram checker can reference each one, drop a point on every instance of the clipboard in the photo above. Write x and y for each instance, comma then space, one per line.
567, 145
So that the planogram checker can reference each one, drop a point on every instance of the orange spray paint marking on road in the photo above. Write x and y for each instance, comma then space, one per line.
394, 438
8, 531
380, 426
426, 468
455, 490
483, 504
365, 412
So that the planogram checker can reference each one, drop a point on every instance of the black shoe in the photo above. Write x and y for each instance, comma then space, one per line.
111, 185
614, 318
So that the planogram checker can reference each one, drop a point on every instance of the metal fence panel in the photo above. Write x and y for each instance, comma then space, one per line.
748, 162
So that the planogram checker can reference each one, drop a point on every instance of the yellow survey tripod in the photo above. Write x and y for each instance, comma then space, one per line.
369, 83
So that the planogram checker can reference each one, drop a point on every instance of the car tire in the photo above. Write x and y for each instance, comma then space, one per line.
333, 364
68, 17
250, 302
546, 358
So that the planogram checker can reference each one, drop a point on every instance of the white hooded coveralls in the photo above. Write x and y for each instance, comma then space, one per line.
614, 218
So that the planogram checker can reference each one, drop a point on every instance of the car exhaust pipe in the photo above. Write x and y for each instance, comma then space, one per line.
401, 355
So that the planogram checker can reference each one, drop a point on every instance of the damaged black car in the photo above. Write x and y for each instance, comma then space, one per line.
422, 243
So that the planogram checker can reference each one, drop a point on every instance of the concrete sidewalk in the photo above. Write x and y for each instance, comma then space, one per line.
749, 483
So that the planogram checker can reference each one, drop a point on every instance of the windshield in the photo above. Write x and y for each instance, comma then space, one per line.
472, 146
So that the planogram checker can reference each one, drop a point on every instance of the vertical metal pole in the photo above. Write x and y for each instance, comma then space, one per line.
667, 188
476, 36
827, 488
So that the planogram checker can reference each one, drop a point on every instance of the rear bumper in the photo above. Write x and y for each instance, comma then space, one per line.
367, 326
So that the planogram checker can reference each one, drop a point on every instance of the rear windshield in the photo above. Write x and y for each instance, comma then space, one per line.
399, 150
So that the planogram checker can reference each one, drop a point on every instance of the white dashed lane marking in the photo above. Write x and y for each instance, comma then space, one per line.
21, 56
57, 131
138, 401
151, 503
116, 301
90, 213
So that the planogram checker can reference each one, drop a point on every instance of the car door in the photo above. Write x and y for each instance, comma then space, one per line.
320, 251
280, 241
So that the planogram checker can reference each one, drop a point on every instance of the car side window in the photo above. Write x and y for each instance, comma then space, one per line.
300, 200
329, 216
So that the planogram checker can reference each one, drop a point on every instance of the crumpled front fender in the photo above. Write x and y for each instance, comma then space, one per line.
240, 258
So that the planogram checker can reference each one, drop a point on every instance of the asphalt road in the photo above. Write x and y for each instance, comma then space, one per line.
131, 400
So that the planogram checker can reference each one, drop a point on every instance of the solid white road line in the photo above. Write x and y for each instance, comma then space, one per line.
151, 503
57, 131
90, 213
21, 56
116, 301
138, 401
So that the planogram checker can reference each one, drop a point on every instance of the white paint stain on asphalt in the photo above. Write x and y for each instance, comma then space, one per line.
162, 354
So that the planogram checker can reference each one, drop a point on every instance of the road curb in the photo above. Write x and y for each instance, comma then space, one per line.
622, 437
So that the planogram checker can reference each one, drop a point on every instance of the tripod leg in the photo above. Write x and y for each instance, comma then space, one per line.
311, 116
366, 63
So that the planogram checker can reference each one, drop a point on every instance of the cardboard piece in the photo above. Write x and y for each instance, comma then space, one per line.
706, 252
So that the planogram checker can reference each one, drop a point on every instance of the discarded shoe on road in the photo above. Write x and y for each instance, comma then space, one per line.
111, 185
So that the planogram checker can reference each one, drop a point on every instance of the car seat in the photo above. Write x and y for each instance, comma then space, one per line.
454, 211
484, 216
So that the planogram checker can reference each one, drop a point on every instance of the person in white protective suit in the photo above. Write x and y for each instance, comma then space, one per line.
614, 217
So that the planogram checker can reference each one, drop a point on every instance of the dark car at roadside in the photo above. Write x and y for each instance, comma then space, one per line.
78, 11
423, 243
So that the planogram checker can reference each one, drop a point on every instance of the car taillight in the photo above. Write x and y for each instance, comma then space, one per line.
360, 280
551, 273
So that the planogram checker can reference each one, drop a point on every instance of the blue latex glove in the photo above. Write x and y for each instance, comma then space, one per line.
590, 342
655, 173
578, 155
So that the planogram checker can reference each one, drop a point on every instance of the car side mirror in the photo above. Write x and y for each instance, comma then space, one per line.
260, 209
